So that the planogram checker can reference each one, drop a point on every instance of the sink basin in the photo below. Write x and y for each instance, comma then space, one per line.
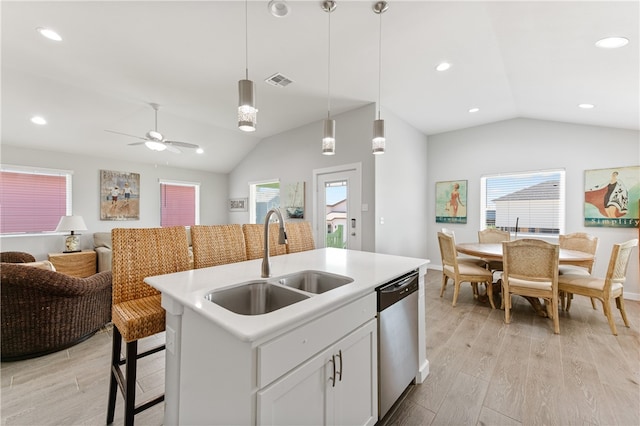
255, 298
314, 281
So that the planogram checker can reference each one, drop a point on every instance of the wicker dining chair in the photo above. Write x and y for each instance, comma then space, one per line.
578, 241
603, 289
461, 272
299, 237
492, 235
136, 310
254, 240
531, 269
16, 257
217, 245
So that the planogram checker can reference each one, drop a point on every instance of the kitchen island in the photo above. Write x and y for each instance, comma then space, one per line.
314, 360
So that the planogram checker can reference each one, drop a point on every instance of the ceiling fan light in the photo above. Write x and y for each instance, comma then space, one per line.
247, 112
155, 146
329, 137
155, 136
378, 141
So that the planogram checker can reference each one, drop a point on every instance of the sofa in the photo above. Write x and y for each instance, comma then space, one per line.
103, 248
44, 311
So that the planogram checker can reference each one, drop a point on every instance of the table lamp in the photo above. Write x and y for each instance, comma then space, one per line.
72, 224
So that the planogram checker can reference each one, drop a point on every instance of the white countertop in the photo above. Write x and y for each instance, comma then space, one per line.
368, 270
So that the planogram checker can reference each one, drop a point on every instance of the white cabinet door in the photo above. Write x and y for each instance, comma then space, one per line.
299, 398
307, 395
355, 398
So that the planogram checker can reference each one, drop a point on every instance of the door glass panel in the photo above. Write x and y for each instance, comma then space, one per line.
336, 194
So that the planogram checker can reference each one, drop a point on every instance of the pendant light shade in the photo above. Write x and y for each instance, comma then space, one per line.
247, 112
329, 137
378, 142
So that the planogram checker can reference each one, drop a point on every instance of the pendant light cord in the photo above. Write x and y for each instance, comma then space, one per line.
246, 39
329, 69
379, 64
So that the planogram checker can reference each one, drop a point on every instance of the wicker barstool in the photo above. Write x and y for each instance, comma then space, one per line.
299, 237
254, 240
136, 309
217, 245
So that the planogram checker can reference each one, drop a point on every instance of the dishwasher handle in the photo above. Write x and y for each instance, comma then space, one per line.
397, 290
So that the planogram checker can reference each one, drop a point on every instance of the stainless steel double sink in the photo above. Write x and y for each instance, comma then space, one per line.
263, 296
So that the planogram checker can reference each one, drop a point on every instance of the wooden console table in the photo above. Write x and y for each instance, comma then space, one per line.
80, 264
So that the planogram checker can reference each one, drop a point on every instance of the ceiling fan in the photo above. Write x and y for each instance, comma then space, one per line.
155, 141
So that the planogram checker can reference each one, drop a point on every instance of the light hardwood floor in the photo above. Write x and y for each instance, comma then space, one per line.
482, 371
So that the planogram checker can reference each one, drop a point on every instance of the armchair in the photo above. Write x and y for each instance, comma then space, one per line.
44, 311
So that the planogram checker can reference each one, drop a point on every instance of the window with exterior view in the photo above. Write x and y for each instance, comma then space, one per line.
526, 202
263, 196
33, 201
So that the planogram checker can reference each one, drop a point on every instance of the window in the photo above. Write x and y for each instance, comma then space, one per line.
263, 196
179, 203
33, 200
534, 201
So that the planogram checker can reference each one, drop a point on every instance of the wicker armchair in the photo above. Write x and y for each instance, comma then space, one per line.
45, 311
16, 257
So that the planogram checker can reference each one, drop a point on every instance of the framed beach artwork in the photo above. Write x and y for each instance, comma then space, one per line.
119, 195
238, 204
611, 197
295, 200
451, 201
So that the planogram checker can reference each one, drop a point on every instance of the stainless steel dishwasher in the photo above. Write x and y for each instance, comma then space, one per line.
397, 338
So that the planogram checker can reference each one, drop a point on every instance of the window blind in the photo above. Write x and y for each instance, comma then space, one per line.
32, 202
535, 201
177, 205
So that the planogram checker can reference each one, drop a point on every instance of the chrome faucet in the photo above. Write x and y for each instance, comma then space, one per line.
266, 263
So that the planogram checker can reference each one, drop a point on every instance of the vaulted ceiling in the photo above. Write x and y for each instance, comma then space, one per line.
509, 59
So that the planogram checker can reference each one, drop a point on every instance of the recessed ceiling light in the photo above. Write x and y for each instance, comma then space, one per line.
586, 106
612, 42
472, 110
36, 119
279, 8
443, 66
199, 151
48, 33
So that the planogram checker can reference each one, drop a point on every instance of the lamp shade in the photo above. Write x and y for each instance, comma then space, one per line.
71, 223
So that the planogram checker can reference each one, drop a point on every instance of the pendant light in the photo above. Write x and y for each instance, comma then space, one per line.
247, 111
329, 135
378, 141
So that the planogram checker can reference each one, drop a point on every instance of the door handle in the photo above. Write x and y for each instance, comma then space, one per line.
340, 356
333, 377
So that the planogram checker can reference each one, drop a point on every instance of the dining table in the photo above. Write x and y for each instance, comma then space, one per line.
493, 251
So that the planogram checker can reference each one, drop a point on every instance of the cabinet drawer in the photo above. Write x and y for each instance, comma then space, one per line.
291, 349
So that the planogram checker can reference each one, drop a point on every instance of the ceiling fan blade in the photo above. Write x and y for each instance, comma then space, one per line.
172, 148
136, 143
125, 134
182, 144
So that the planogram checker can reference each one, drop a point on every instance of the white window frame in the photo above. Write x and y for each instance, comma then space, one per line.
196, 185
561, 207
68, 174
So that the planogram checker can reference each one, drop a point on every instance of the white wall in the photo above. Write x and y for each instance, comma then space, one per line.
524, 145
292, 156
401, 191
86, 198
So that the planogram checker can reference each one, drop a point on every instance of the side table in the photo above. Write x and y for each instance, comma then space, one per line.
79, 264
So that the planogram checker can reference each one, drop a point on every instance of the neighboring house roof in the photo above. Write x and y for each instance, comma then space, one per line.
549, 190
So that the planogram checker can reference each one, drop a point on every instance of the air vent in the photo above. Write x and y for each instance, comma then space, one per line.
279, 80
